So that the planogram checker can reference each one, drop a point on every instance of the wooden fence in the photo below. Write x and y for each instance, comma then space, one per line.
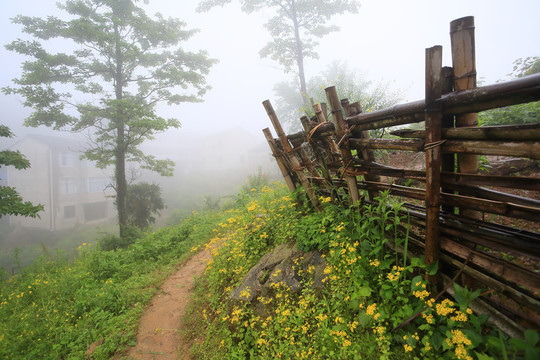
451, 205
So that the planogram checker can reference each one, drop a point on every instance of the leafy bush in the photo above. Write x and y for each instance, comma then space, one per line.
144, 203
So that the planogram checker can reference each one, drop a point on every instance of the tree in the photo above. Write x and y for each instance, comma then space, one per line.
144, 203
516, 114
11, 203
350, 83
123, 64
295, 28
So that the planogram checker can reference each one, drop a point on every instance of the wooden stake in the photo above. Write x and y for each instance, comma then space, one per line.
433, 153
448, 161
366, 153
342, 134
287, 148
279, 159
464, 63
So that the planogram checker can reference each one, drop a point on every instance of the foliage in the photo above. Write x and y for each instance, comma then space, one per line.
526, 66
113, 242
375, 304
125, 63
11, 203
55, 309
528, 113
521, 113
350, 84
295, 28
256, 182
144, 203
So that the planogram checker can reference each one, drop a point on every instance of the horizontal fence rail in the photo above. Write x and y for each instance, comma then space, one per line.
476, 224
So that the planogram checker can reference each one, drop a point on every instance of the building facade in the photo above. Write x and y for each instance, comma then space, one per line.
73, 190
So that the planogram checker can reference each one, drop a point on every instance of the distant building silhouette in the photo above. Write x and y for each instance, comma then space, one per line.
73, 191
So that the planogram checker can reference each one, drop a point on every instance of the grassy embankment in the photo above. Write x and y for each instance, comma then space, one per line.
361, 312
57, 309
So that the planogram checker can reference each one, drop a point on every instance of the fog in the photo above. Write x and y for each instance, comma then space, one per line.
220, 142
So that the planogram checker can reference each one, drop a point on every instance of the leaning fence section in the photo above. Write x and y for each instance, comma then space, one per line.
483, 233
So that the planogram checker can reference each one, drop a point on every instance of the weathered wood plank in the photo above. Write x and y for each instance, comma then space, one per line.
527, 149
524, 132
513, 92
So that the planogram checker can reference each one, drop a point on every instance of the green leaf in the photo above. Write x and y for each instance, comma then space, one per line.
364, 291
436, 340
431, 269
531, 337
481, 356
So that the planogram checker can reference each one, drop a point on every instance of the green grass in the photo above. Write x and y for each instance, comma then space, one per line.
57, 308
369, 295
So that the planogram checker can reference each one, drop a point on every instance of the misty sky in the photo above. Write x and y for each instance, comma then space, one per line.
387, 40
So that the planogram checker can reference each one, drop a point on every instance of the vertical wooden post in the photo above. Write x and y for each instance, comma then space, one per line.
294, 161
367, 154
279, 160
433, 152
341, 131
464, 64
333, 150
448, 160
318, 155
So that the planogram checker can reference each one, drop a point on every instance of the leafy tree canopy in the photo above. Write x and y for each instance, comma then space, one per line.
295, 27
122, 65
11, 203
144, 203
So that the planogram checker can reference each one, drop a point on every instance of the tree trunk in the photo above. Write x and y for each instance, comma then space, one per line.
299, 57
120, 151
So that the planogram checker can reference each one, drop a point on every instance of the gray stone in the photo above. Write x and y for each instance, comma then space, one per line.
285, 265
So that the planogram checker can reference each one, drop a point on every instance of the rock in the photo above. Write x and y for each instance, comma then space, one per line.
510, 166
285, 265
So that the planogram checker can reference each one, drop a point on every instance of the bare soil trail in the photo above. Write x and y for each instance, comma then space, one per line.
158, 336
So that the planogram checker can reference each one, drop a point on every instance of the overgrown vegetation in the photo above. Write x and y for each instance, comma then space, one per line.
374, 305
57, 308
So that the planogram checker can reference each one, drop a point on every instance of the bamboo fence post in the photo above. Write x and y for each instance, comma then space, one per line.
448, 159
342, 132
318, 155
433, 153
464, 64
279, 160
367, 152
287, 148
332, 148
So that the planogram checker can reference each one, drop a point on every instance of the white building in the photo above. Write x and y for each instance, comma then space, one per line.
73, 191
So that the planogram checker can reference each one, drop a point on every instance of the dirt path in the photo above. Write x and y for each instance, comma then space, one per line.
158, 336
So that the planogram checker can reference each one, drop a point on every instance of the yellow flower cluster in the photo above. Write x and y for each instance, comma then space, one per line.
371, 311
460, 317
325, 200
445, 307
459, 340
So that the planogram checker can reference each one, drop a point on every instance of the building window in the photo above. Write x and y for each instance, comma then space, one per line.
69, 212
67, 159
91, 163
68, 186
95, 211
98, 184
